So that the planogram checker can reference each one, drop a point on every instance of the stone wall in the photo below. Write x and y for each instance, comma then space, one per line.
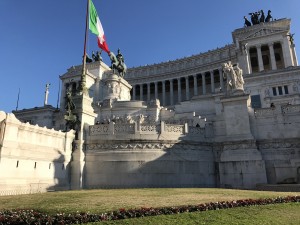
32, 158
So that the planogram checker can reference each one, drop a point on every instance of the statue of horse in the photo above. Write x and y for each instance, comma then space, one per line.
117, 63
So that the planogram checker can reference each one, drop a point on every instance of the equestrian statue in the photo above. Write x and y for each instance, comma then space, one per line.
117, 63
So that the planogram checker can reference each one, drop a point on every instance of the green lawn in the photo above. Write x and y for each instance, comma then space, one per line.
105, 200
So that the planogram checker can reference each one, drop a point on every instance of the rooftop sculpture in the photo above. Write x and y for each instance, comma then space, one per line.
257, 18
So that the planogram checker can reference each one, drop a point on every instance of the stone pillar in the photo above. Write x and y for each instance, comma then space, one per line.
195, 85
272, 56
141, 92
221, 79
288, 60
203, 84
133, 92
179, 89
259, 57
187, 88
171, 93
294, 55
212, 81
248, 62
148, 92
164, 92
156, 92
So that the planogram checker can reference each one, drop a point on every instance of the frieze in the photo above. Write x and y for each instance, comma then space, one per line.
147, 146
279, 145
240, 146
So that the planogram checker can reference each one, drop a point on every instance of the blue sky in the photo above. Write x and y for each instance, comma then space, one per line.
40, 39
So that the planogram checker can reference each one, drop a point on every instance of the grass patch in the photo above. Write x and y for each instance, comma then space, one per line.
287, 213
97, 201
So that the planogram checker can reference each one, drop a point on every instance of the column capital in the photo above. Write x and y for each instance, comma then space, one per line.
258, 46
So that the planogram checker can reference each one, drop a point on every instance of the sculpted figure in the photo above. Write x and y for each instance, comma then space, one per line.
239, 83
262, 16
229, 75
234, 77
269, 17
118, 63
247, 22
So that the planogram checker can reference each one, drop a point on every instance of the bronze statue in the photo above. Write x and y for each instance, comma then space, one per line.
262, 16
247, 22
118, 63
291, 36
97, 57
269, 17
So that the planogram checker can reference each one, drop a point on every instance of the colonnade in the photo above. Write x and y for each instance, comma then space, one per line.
176, 89
269, 56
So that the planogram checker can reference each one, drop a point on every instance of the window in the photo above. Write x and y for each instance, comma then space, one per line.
286, 90
280, 90
255, 101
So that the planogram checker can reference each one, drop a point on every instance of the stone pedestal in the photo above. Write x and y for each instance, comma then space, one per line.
241, 164
117, 88
236, 116
86, 117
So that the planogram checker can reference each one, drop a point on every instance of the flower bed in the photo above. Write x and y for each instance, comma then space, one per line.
24, 216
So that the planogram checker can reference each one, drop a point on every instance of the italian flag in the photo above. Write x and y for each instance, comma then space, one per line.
96, 27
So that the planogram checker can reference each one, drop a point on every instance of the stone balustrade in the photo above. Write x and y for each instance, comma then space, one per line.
283, 110
136, 128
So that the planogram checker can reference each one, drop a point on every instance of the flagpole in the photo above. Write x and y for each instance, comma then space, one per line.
18, 100
83, 75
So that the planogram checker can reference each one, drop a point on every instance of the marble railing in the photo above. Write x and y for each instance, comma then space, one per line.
285, 109
265, 112
136, 128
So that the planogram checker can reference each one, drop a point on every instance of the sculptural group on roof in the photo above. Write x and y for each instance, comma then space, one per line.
257, 18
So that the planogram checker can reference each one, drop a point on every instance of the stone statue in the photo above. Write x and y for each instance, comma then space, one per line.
269, 17
233, 76
239, 82
247, 22
118, 63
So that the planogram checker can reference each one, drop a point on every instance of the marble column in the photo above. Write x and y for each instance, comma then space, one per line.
133, 92
195, 85
179, 89
148, 92
141, 92
221, 79
171, 93
187, 88
272, 56
248, 61
259, 57
212, 81
288, 59
203, 84
164, 92
156, 91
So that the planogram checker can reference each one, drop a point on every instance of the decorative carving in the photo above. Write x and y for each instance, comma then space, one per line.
234, 76
174, 128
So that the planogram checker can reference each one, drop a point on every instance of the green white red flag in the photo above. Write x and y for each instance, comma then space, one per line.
96, 27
